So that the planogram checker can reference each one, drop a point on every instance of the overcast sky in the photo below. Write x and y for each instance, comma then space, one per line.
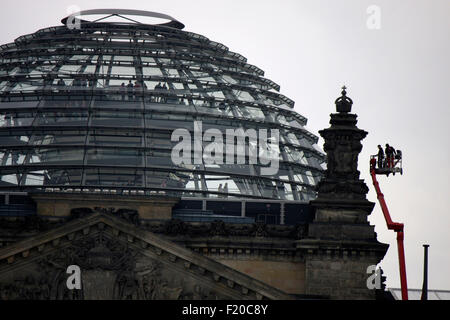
397, 76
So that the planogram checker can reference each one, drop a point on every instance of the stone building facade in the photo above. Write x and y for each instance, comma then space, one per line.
132, 248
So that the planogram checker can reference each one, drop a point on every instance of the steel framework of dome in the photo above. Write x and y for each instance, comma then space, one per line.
68, 124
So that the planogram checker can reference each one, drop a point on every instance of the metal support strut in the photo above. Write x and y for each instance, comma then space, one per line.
397, 227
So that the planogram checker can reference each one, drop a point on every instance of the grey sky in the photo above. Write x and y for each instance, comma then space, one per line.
398, 78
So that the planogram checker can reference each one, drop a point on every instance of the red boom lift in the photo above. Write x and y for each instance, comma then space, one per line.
387, 168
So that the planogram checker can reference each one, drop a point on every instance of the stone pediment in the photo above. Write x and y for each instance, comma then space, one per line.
118, 261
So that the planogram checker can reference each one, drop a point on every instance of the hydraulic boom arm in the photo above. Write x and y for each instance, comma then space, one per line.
398, 228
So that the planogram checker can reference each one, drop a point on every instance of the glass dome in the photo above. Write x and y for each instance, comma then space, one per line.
93, 109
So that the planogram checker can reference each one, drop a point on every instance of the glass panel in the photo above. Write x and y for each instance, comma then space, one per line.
208, 109
124, 71
62, 177
34, 178
295, 155
295, 123
172, 72
59, 138
314, 162
56, 156
115, 138
230, 169
304, 193
9, 179
252, 113
123, 58
185, 181
3, 84
148, 59
117, 105
89, 69
281, 119
179, 87
159, 140
243, 95
13, 157
69, 69
311, 179
116, 83
228, 184
282, 174
152, 85
16, 119
171, 180
117, 119
159, 158
150, 71
284, 191
60, 118
115, 177
79, 57
306, 177
157, 179
27, 87
268, 189
292, 138
168, 125
168, 108
229, 79
115, 157
304, 142
8, 139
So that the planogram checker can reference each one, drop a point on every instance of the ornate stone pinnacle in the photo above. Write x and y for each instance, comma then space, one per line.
342, 145
344, 103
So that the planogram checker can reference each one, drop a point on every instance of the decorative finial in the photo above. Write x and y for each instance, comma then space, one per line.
344, 103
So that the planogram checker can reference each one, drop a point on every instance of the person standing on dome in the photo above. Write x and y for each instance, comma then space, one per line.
137, 87
130, 90
61, 84
158, 88
91, 82
164, 99
144, 90
225, 189
84, 83
123, 89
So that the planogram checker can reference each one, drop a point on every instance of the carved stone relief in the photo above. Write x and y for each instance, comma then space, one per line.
110, 269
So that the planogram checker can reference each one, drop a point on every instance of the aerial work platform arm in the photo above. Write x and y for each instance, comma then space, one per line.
397, 227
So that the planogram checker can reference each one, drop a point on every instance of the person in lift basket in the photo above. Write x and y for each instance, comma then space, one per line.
390, 154
380, 157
